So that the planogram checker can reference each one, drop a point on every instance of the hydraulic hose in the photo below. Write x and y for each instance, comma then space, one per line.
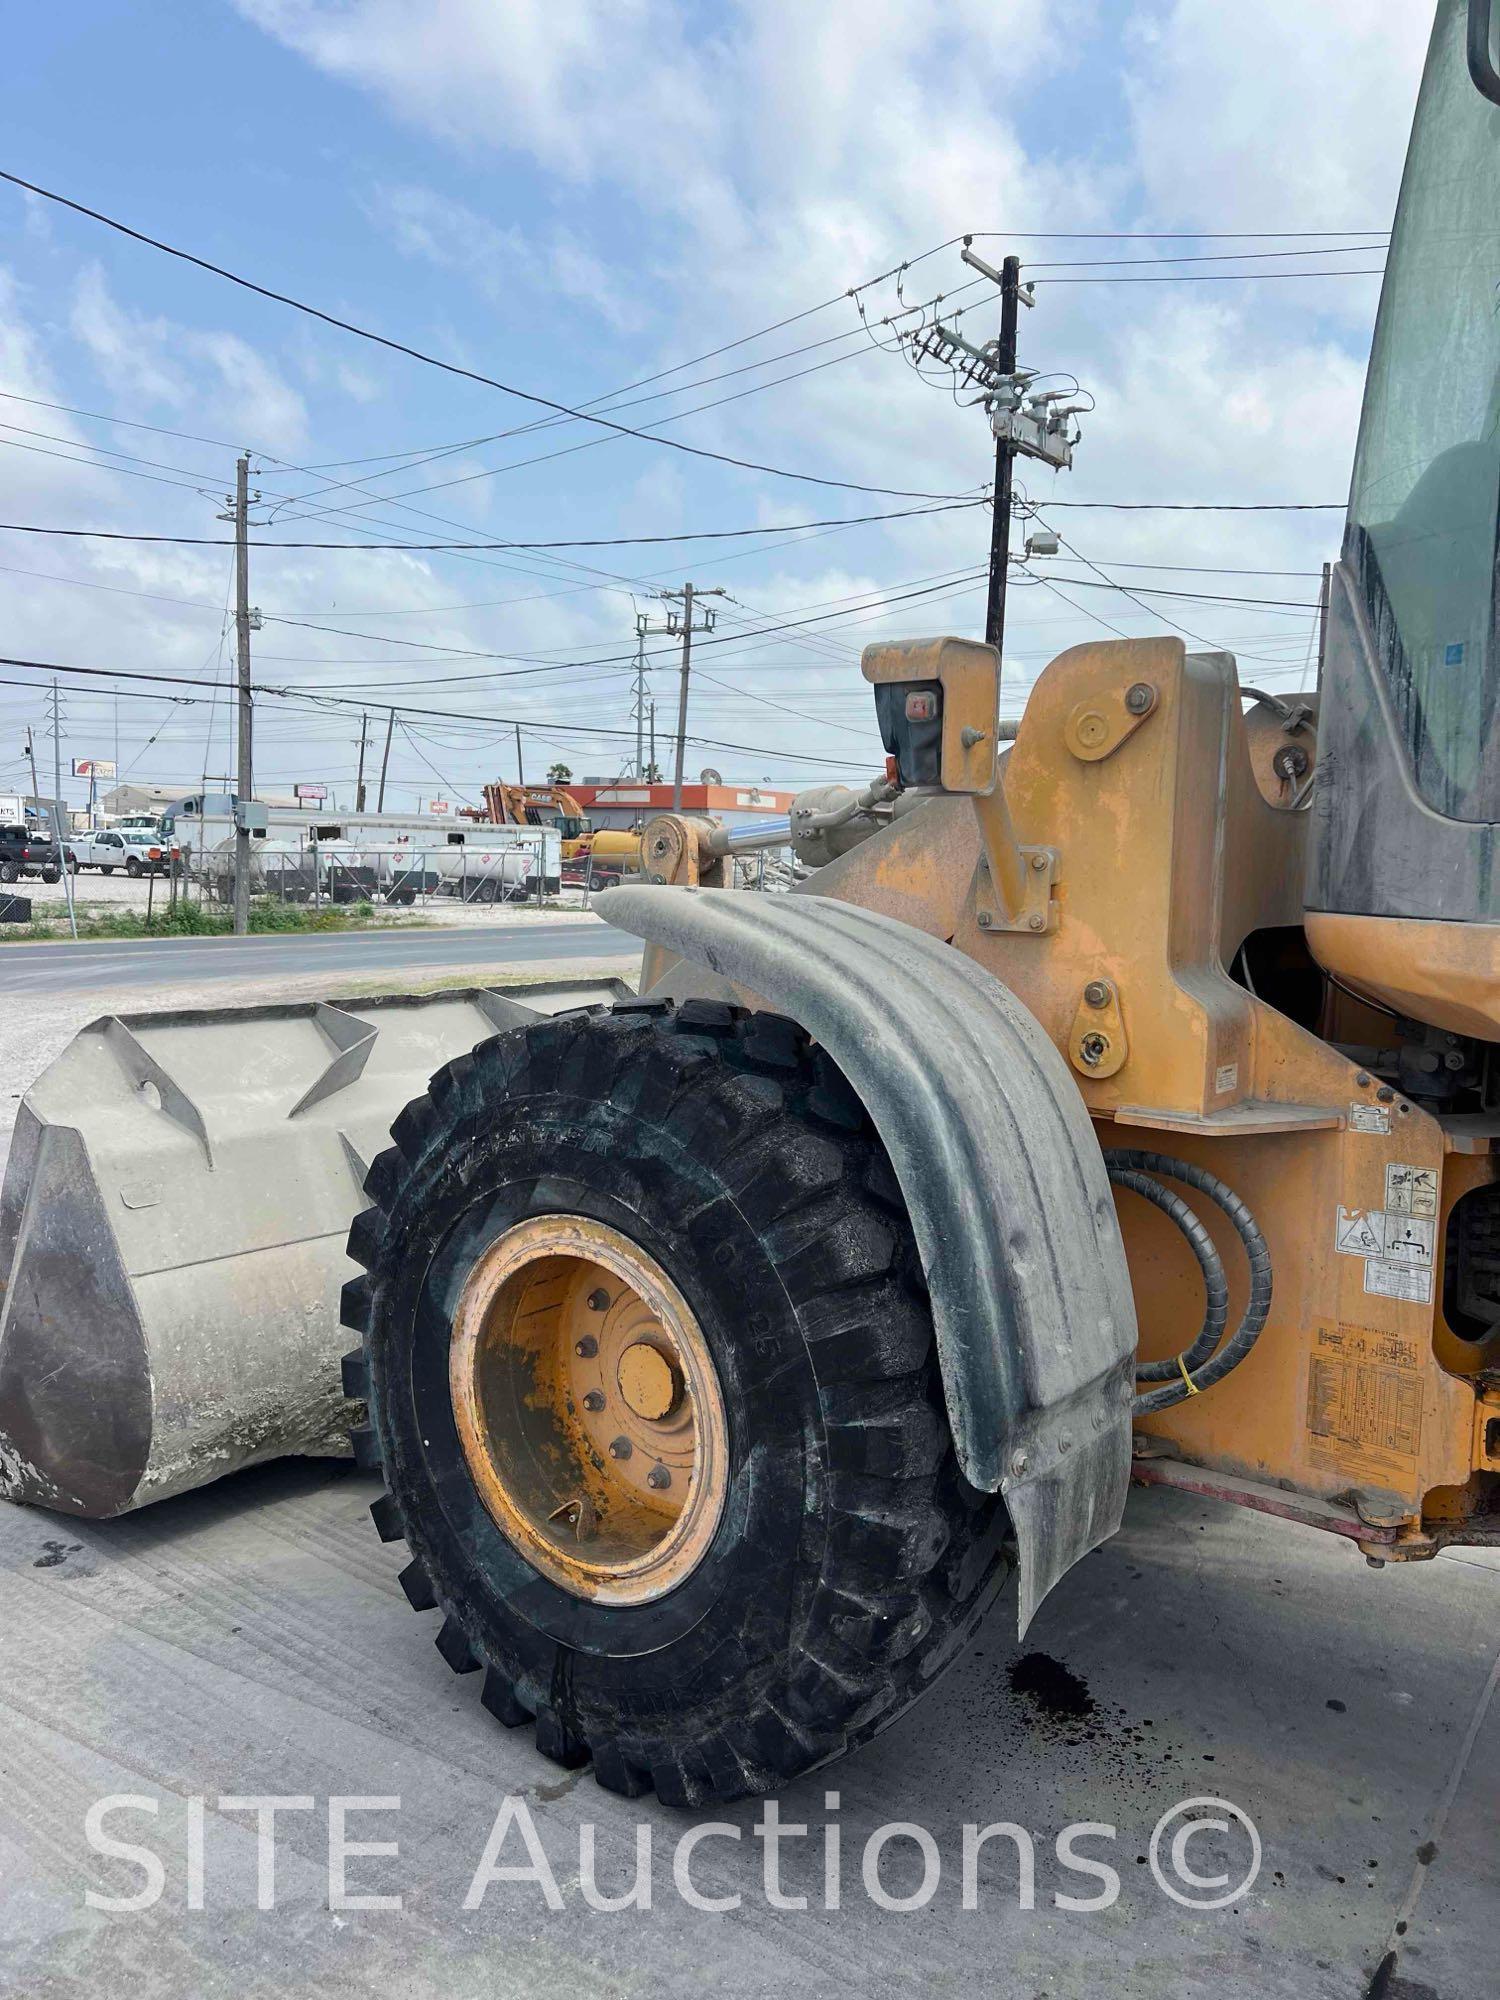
1204, 1362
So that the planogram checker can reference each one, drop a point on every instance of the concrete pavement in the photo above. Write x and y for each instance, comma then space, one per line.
251, 1639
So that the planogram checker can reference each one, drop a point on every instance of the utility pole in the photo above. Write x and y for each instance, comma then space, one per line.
36, 790
1323, 596
1005, 461
385, 760
520, 767
57, 809
1025, 422
244, 783
680, 625
651, 767
359, 783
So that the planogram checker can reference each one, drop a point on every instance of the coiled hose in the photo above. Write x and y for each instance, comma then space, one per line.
1204, 1361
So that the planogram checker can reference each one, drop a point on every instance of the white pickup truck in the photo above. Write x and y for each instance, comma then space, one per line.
134, 849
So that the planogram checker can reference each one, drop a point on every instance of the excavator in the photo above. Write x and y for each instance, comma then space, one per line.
602, 853
1118, 1103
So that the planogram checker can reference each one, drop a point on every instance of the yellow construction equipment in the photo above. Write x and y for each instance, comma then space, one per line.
1119, 1103
606, 853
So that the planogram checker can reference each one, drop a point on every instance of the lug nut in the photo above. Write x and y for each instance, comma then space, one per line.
599, 1301
1096, 993
586, 1348
659, 1477
594, 1400
620, 1447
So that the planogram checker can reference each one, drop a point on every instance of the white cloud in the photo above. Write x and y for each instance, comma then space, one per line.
1280, 116
146, 360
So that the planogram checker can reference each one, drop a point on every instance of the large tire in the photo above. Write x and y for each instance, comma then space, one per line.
132, 866
851, 1560
8, 871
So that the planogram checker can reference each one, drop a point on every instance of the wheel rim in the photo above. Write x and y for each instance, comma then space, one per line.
589, 1409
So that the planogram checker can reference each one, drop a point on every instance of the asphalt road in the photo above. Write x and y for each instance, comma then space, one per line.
77, 968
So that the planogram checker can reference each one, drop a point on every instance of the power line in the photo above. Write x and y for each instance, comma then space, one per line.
951, 506
452, 367
316, 700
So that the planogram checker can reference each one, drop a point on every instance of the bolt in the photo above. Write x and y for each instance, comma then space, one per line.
969, 737
1036, 921
1386, 1094
1139, 697
598, 1302
1375, 1562
985, 920
586, 1348
1363, 1079
594, 1400
1453, 1060
1019, 1463
1096, 993
619, 1447
1038, 862
659, 1477
1093, 1049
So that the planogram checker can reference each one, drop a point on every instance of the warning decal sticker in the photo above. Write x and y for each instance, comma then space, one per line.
1411, 1190
1407, 1282
1364, 1392
1408, 1240
1360, 1233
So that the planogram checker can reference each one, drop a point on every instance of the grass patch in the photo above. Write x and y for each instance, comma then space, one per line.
185, 919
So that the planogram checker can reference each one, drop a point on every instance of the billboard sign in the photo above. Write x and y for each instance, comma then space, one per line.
93, 767
311, 794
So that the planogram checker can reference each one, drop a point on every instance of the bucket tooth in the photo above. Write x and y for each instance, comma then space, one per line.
352, 1040
155, 1084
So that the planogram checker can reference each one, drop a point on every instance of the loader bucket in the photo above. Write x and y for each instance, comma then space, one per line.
172, 1229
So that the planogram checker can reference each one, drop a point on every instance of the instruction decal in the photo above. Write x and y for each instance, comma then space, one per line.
1369, 1117
1226, 1078
1364, 1392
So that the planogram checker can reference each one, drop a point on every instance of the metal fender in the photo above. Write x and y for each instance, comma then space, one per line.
1002, 1175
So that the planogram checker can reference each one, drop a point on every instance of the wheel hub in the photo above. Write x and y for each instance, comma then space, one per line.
589, 1409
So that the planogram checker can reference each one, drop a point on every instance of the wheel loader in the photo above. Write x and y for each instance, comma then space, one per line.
1120, 1103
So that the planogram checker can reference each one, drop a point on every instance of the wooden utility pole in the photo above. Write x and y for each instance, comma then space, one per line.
520, 767
385, 760
681, 625
36, 790
1005, 461
359, 783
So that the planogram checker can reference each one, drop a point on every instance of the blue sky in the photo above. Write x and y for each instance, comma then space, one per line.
573, 196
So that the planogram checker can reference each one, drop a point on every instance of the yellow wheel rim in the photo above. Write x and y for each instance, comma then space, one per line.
589, 1409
